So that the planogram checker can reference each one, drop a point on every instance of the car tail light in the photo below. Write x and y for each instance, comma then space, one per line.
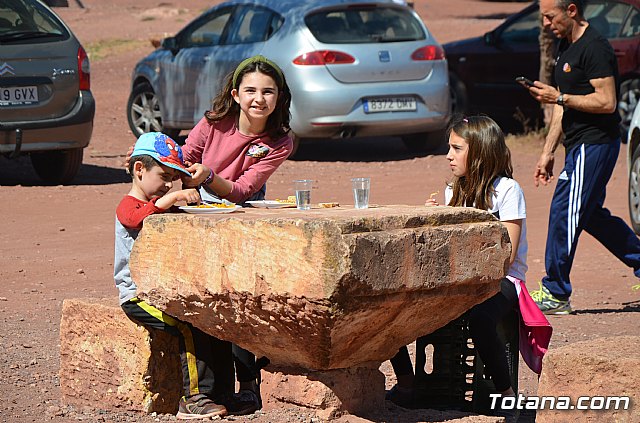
324, 57
428, 53
83, 69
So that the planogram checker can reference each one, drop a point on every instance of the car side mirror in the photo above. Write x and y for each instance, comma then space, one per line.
490, 38
170, 43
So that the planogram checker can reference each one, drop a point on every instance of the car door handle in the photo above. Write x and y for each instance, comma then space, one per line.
620, 53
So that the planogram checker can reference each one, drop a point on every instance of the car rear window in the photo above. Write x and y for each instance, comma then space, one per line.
364, 24
26, 20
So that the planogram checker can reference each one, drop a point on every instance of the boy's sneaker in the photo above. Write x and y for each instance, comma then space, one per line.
244, 402
199, 406
549, 304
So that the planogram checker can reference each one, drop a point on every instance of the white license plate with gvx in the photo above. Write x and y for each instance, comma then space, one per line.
10, 96
389, 104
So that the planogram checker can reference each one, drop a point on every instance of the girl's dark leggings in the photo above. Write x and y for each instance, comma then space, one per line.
245, 363
483, 320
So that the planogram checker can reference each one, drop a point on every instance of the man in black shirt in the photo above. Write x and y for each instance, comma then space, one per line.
586, 76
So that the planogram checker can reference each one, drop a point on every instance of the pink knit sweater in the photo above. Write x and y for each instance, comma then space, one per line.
247, 161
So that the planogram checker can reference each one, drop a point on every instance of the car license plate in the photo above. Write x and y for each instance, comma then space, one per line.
389, 104
11, 96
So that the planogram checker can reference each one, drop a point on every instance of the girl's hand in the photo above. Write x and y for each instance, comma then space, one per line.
432, 199
199, 173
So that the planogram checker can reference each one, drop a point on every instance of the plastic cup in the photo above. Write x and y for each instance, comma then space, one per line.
361, 188
303, 193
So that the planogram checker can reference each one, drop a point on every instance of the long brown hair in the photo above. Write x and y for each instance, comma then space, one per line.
487, 158
224, 105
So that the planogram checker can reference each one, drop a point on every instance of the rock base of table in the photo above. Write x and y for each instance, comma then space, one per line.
330, 393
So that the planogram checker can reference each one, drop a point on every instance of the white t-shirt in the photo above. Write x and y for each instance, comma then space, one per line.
508, 204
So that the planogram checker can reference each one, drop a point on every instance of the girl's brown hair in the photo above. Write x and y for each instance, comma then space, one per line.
224, 105
487, 158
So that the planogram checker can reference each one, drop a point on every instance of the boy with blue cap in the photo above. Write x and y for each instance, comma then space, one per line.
155, 164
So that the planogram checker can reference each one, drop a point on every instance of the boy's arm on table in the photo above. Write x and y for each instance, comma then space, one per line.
189, 195
131, 212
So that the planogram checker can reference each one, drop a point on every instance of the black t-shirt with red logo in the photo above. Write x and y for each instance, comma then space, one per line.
590, 57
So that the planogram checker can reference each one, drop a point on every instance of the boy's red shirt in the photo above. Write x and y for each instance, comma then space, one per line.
131, 211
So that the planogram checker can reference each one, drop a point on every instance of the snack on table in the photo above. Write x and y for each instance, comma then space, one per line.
214, 205
290, 200
329, 205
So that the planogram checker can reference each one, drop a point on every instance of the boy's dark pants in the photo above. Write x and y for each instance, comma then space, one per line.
207, 363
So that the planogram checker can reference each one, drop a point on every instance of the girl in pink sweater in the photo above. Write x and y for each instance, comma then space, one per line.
238, 144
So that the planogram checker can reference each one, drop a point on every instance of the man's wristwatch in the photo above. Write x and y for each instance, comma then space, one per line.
209, 178
560, 100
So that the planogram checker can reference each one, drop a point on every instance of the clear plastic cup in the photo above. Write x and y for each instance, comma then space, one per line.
303, 193
361, 189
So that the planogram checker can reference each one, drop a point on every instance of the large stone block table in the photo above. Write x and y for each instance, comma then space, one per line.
323, 290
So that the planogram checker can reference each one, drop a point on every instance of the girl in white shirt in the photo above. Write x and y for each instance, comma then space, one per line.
483, 178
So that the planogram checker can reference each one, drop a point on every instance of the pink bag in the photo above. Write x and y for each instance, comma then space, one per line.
535, 329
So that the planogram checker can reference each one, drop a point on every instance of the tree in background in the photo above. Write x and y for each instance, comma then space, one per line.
547, 53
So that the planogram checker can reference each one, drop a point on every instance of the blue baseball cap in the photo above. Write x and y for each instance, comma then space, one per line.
162, 148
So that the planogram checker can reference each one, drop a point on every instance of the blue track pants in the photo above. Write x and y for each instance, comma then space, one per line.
577, 205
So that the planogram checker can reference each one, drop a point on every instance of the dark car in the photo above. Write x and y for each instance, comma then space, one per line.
46, 106
483, 69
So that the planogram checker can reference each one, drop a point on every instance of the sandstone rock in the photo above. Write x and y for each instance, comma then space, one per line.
597, 368
107, 361
322, 289
331, 393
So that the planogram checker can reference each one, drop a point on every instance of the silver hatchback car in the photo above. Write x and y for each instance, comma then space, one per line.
355, 68
46, 106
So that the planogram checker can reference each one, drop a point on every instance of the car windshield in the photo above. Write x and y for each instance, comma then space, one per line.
364, 24
524, 30
26, 20
607, 16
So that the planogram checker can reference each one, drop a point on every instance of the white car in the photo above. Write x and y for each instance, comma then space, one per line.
633, 164
355, 67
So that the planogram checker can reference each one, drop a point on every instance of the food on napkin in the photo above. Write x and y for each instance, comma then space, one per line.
329, 205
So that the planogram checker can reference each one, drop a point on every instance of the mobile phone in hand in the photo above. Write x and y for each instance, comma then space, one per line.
525, 81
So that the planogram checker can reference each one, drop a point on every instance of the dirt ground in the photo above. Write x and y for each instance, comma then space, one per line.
58, 241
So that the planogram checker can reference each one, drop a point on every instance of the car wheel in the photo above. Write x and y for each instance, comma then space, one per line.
459, 99
144, 114
57, 167
424, 141
629, 96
